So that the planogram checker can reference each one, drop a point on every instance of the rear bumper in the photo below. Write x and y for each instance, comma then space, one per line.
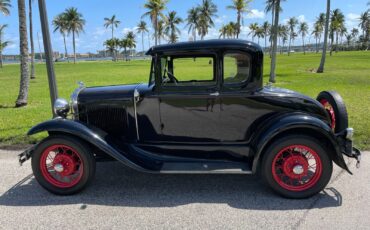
345, 140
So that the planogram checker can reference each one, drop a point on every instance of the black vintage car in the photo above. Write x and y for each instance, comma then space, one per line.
203, 110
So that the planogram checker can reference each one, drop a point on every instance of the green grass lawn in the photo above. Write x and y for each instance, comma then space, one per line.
346, 72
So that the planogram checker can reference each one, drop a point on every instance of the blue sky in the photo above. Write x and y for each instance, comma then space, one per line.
129, 13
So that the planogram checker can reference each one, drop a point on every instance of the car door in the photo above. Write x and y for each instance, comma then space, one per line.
188, 99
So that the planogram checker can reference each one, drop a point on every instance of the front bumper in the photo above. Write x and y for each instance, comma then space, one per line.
345, 140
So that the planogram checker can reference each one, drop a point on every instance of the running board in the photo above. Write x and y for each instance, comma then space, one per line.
205, 168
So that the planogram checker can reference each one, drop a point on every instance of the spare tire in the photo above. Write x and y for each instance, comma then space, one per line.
335, 107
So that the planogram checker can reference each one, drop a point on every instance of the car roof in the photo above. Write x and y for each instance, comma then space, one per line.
205, 44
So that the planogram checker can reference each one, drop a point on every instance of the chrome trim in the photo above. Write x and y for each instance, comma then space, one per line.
349, 133
61, 107
74, 99
136, 99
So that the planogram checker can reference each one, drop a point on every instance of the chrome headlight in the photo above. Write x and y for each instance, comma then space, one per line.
61, 107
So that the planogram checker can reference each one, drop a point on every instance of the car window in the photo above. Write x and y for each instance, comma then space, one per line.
188, 71
236, 68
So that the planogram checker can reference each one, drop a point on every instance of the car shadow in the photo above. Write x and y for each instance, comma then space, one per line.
115, 185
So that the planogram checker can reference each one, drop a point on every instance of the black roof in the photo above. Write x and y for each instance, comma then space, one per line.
205, 44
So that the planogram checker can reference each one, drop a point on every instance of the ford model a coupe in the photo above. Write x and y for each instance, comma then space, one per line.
203, 110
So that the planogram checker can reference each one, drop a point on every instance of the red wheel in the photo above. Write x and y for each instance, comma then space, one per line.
335, 108
329, 108
296, 166
63, 165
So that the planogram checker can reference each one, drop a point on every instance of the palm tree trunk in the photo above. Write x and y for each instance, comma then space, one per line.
336, 42
304, 48
23, 45
1, 53
65, 47
149, 39
142, 41
74, 47
31, 41
272, 24
323, 57
238, 24
274, 43
290, 40
156, 30
40, 54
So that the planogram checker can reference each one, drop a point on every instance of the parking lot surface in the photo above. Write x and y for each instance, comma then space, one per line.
120, 198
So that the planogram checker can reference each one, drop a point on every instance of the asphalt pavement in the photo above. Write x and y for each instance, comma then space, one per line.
120, 198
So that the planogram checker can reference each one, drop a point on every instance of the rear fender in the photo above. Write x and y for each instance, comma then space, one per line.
92, 135
286, 123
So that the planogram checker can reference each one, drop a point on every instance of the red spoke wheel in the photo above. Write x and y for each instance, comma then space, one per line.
63, 165
296, 166
335, 108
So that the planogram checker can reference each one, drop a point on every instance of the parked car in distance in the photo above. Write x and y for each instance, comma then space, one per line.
204, 109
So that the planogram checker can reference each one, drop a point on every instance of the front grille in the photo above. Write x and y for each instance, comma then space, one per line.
112, 120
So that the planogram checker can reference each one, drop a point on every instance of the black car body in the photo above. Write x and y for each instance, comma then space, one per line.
217, 125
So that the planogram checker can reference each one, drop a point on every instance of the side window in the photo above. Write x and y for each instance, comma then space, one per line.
236, 68
152, 73
188, 71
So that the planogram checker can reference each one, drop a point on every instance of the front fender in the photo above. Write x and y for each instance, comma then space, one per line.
285, 123
92, 135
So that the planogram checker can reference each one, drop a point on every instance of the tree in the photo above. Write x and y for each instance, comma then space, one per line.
31, 40
193, 21
348, 39
207, 10
142, 28
275, 27
229, 30
23, 45
303, 30
113, 23
4, 7
124, 44
365, 26
283, 35
241, 7
111, 45
270, 7
160, 32
266, 27
75, 25
323, 56
317, 34
336, 24
253, 27
170, 27
130, 38
292, 23
60, 24
3, 44
259, 34
155, 11
320, 23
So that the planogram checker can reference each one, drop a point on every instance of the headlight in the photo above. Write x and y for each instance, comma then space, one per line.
61, 107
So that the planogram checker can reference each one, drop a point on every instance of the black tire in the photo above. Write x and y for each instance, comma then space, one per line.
84, 155
318, 184
340, 111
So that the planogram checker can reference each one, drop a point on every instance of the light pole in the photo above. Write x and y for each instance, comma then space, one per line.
48, 54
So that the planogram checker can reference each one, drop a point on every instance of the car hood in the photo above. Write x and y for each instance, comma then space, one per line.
119, 92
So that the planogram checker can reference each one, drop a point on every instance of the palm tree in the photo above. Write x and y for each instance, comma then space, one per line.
192, 21
113, 23
259, 34
317, 34
131, 43
323, 56
170, 27
155, 11
31, 40
303, 30
24, 82
111, 45
292, 23
253, 27
270, 7
275, 26
142, 28
3, 44
349, 39
160, 32
266, 27
320, 23
365, 26
4, 7
223, 31
75, 25
336, 23
241, 7
60, 24
207, 11
124, 44
283, 32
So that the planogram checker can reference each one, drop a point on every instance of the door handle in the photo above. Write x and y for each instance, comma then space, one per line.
215, 94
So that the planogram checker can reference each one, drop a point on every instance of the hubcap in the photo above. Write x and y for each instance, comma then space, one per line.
59, 168
298, 169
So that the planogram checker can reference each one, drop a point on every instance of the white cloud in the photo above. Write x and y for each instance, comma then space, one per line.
352, 20
301, 18
256, 14
221, 20
352, 16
